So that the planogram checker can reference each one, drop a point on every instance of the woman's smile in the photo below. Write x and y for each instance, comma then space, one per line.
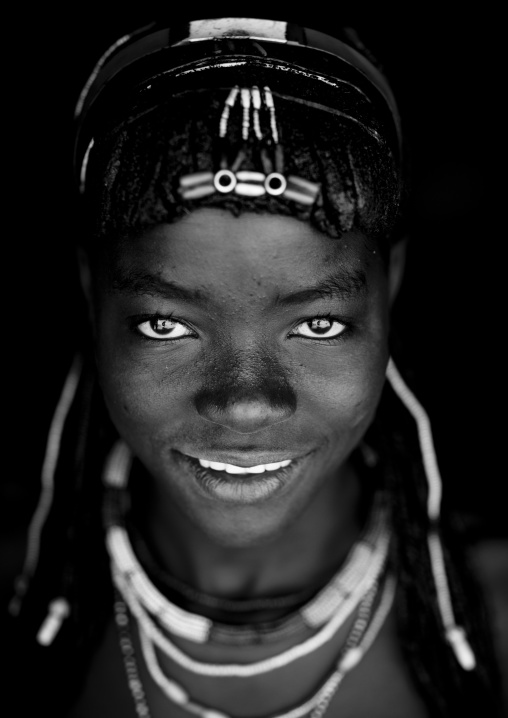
238, 484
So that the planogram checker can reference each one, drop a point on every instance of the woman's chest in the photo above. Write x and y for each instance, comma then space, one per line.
378, 687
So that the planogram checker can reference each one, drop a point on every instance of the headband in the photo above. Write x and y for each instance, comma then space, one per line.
205, 53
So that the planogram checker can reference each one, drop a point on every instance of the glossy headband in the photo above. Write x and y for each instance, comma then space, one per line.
205, 52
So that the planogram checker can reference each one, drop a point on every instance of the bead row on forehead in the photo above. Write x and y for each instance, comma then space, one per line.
343, 591
361, 636
231, 178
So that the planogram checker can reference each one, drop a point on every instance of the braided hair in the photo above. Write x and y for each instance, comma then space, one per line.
132, 184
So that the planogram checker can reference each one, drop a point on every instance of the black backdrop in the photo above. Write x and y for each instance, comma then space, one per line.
443, 67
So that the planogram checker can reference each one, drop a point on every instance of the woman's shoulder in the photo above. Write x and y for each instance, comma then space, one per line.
489, 560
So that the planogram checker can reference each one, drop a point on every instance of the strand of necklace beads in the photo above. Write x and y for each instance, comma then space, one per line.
129, 659
199, 710
361, 637
342, 593
353, 655
186, 594
361, 568
325, 634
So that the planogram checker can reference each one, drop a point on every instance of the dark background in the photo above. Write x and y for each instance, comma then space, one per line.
442, 63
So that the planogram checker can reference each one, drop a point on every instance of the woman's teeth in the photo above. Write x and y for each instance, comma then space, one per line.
231, 469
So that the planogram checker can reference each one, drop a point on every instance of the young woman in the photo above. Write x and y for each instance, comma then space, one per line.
240, 512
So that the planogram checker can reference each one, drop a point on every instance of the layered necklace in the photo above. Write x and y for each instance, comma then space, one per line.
361, 587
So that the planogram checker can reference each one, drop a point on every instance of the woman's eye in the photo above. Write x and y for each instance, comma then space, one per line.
160, 328
319, 328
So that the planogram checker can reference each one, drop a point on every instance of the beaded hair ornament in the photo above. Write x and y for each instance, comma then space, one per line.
210, 53
255, 103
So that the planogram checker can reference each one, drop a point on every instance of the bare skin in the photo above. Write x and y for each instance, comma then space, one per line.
256, 356
379, 687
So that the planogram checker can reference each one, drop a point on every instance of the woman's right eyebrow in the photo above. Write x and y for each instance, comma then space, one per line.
136, 282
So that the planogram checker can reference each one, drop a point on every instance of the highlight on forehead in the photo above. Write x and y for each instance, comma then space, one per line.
135, 168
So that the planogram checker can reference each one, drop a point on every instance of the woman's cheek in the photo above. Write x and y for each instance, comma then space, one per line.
136, 395
347, 382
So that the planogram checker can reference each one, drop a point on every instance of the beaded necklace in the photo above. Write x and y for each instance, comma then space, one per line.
336, 600
363, 633
205, 603
355, 586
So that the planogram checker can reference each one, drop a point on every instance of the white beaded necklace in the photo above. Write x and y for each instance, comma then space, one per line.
341, 594
326, 633
361, 569
329, 610
361, 637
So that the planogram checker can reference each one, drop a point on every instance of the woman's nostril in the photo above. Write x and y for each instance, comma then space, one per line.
245, 414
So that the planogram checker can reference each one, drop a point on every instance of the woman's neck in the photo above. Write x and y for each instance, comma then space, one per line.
306, 553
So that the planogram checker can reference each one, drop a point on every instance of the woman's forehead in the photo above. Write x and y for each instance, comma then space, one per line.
212, 246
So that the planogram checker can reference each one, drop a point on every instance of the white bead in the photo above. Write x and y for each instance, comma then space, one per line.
232, 96
256, 97
457, 638
269, 98
249, 190
198, 192
224, 181
176, 693
213, 714
245, 95
58, 610
351, 659
248, 176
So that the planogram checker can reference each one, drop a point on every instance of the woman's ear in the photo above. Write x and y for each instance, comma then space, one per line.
396, 268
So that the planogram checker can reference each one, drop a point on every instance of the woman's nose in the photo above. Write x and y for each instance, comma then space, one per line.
247, 401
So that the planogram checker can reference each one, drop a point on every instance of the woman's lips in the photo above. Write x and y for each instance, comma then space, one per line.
240, 484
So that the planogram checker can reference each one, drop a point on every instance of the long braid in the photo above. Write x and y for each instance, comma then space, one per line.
92, 606
444, 685
72, 563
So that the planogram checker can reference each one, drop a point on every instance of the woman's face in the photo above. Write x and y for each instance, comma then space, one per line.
232, 343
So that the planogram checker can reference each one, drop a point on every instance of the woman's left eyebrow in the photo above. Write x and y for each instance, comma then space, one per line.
341, 285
